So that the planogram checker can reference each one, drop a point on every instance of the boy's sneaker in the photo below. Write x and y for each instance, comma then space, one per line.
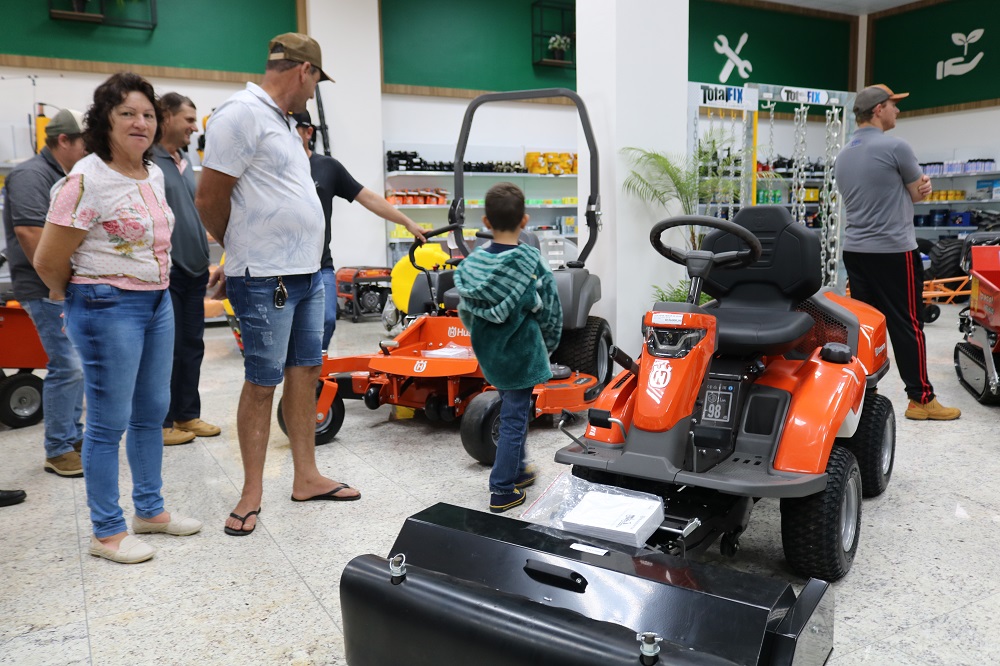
527, 477
932, 410
66, 464
500, 502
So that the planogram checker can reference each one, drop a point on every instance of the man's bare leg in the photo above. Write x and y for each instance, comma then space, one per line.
299, 406
253, 427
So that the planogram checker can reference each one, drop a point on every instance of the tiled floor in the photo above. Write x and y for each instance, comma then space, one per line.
924, 588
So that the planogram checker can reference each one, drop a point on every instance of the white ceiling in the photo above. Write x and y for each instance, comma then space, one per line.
855, 7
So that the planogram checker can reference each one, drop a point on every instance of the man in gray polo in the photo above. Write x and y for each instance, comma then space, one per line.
188, 272
880, 180
27, 204
257, 198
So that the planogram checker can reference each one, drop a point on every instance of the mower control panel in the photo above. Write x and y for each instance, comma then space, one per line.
719, 403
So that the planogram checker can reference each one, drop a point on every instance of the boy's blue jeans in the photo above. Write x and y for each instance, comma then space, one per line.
62, 392
515, 411
126, 342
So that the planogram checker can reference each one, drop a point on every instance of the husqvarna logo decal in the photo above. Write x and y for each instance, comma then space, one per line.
659, 377
880, 350
456, 331
419, 366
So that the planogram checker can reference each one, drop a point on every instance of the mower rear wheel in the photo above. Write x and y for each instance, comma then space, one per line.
332, 421
481, 427
874, 444
21, 400
588, 350
820, 533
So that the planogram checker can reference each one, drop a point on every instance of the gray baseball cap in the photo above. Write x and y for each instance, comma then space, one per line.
67, 121
874, 95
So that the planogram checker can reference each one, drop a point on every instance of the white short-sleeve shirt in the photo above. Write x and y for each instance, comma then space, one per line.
276, 225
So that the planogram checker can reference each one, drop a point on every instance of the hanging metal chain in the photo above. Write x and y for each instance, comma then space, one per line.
829, 200
747, 167
713, 163
730, 180
770, 133
799, 170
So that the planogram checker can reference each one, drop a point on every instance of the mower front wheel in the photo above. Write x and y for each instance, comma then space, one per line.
588, 350
326, 429
481, 427
820, 533
874, 444
21, 400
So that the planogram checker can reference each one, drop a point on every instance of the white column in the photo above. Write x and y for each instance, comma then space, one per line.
348, 33
632, 63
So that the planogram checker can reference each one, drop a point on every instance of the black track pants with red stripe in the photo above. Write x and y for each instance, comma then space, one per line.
892, 283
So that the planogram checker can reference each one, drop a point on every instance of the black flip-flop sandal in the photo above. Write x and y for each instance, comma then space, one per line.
241, 532
331, 496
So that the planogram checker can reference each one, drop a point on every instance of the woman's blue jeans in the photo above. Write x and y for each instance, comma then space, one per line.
126, 342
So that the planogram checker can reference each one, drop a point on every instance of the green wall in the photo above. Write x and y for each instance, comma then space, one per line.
225, 35
783, 48
467, 44
908, 47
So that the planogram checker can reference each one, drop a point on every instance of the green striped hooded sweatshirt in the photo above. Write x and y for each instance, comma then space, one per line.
511, 308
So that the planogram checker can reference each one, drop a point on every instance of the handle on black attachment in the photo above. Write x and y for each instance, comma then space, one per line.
555, 576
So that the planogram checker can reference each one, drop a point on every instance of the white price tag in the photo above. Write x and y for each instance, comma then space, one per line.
668, 318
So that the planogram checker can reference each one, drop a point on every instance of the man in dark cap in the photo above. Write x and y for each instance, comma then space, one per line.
879, 180
27, 204
332, 179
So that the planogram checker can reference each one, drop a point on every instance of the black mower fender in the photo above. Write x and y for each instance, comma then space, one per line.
578, 292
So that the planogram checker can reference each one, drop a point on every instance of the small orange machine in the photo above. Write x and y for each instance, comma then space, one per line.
21, 351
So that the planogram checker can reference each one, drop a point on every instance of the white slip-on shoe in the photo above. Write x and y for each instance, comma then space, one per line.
178, 526
131, 550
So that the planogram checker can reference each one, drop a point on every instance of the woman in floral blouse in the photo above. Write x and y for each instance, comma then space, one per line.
106, 250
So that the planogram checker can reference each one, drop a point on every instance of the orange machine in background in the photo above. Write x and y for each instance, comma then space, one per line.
21, 351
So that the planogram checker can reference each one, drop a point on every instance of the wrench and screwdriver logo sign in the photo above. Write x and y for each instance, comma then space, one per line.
733, 59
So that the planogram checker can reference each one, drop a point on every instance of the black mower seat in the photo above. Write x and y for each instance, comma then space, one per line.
745, 331
754, 305
451, 299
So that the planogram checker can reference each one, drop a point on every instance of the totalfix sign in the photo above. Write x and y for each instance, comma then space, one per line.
724, 97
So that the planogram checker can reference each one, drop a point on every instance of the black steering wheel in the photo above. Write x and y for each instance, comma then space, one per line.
429, 234
732, 259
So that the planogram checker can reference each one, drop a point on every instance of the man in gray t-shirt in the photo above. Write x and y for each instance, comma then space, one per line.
879, 181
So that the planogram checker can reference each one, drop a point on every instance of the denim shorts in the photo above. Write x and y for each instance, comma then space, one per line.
276, 338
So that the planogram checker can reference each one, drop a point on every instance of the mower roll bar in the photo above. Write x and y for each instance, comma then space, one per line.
456, 214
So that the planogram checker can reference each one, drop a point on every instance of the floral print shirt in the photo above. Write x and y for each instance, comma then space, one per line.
128, 223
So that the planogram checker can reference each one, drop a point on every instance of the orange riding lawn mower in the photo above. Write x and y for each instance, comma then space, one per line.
768, 391
430, 366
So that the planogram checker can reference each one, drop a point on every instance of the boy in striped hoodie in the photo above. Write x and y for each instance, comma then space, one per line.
511, 308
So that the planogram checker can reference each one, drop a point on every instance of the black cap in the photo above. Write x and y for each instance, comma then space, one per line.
302, 119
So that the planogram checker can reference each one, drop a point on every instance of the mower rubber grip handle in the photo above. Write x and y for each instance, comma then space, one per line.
624, 360
429, 234
550, 574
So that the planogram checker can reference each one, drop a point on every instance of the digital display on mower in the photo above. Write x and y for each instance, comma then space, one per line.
718, 405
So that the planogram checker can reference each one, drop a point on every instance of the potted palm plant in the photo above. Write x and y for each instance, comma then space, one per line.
663, 179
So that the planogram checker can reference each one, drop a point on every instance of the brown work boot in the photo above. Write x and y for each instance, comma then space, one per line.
198, 427
66, 464
932, 410
172, 436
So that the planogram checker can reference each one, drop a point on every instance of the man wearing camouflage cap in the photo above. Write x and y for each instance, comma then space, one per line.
27, 203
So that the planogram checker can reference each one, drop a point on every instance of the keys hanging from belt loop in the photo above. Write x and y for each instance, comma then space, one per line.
280, 294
